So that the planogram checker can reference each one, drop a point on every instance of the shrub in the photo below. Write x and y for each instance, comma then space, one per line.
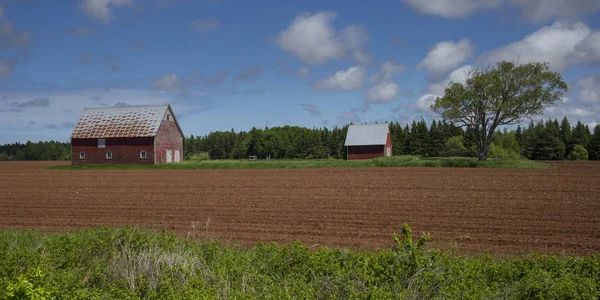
200, 156
126, 263
455, 147
503, 153
579, 153
5, 157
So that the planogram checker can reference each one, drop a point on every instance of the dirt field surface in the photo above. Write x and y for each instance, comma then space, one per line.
500, 211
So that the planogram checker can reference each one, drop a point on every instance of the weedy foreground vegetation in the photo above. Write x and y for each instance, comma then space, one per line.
394, 161
127, 263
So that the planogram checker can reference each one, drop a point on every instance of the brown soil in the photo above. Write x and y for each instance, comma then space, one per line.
500, 211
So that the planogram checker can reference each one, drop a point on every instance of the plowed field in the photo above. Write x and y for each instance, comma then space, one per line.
500, 211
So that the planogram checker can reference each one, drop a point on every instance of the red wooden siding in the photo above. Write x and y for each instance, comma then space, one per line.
168, 138
124, 151
388, 143
369, 151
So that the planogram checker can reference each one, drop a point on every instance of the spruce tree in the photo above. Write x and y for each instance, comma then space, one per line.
594, 147
566, 136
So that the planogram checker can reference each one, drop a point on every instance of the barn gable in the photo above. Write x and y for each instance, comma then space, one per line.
365, 135
122, 122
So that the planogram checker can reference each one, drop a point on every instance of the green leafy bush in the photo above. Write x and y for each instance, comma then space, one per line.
579, 153
26, 286
126, 263
6, 157
199, 156
454, 147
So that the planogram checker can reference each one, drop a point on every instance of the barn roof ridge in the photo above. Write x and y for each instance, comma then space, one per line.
117, 107
372, 124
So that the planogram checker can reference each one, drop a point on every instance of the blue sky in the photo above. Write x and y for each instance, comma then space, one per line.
226, 64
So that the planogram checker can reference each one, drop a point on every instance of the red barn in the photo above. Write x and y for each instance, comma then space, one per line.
127, 135
368, 141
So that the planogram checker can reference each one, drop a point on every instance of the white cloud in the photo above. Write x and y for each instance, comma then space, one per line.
313, 39
355, 38
172, 81
311, 109
387, 71
84, 31
560, 44
218, 78
383, 92
573, 113
102, 9
11, 39
589, 89
348, 117
436, 89
459, 75
542, 10
532, 10
588, 50
5, 68
363, 108
205, 26
250, 73
451, 8
425, 102
383, 89
303, 72
445, 56
167, 82
344, 80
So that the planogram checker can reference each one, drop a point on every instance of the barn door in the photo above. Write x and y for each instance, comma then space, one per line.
169, 156
177, 156
388, 151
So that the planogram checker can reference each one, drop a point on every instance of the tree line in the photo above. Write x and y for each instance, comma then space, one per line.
542, 140
50, 150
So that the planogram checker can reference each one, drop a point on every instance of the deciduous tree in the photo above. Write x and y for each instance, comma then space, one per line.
502, 95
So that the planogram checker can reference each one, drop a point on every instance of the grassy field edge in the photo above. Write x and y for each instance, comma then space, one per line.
395, 161
128, 263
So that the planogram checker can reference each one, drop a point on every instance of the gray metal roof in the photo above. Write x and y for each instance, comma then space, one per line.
115, 122
370, 134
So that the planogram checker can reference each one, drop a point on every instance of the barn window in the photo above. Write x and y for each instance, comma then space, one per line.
168, 117
101, 143
143, 154
81, 155
108, 154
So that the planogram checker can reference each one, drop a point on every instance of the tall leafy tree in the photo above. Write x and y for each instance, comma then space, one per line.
502, 95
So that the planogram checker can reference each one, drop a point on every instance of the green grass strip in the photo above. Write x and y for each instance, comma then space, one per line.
395, 161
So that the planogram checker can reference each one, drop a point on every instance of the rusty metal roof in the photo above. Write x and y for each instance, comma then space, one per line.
370, 134
117, 122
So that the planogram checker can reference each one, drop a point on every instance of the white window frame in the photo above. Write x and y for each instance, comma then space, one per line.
143, 154
109, 155
101, 143
82, 155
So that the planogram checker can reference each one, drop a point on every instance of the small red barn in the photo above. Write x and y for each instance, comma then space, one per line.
368, 141
127, 135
